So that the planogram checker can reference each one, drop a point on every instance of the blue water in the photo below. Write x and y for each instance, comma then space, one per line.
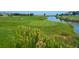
53, 19
76, 27
74, 24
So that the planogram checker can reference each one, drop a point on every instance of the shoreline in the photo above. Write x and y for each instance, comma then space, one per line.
67, 18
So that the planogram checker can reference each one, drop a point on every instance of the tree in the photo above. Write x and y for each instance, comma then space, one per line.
31, 14
1, 15
56, 14
73, 13
61, 14
44, 14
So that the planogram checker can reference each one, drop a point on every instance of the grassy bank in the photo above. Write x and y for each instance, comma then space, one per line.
35, 31
69, 18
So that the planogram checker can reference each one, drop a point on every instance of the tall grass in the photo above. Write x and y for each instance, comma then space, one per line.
27, 37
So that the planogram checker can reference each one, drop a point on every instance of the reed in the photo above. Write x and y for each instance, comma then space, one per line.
27, 37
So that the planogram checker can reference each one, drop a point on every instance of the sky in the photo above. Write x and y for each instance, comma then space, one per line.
37, 12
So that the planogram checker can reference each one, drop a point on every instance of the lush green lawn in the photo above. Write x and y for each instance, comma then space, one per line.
35, 31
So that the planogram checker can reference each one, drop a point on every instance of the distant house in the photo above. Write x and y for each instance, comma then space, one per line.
68, 13
73, 13
77, 12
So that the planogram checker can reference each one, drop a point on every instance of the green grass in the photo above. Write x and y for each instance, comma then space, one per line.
72, 18
34, 31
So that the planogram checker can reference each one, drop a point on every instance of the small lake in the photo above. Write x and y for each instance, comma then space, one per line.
54, 19
74, 24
